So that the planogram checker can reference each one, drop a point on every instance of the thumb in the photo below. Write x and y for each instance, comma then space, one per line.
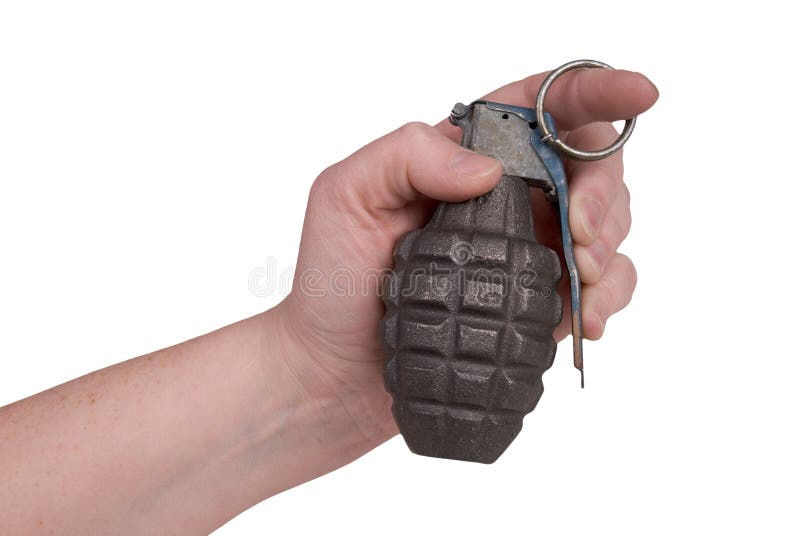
413, 161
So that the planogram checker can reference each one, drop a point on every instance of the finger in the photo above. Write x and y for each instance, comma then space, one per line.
593, 259
593, 185
579, 97
414, 160
618, 222
607, 296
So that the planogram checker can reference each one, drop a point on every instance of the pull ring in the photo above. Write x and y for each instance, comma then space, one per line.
550, 138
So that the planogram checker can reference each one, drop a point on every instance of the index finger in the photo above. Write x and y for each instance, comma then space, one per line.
578, 98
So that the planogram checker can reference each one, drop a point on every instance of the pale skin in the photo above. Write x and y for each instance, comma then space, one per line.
182, 440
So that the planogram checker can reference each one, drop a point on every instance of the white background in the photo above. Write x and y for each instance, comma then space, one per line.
153, 154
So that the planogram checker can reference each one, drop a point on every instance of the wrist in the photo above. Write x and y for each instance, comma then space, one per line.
324, 378
311, 423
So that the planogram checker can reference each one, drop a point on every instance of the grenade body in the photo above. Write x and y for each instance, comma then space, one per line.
470, 311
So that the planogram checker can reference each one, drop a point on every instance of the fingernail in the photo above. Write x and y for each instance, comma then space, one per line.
598, 253
600, 322
469, 164
591, 216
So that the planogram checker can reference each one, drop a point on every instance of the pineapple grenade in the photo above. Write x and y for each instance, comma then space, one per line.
472, 302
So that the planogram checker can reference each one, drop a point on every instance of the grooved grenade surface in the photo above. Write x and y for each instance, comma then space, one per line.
470, 311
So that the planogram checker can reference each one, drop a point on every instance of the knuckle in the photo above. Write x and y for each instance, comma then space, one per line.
620, 225
626, 224
330, 186
624, 213
629, 270
323, 181
625, 195
416, 130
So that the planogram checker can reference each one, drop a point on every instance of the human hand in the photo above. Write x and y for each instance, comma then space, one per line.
359, 207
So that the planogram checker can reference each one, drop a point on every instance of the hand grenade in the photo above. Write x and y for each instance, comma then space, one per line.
472, 303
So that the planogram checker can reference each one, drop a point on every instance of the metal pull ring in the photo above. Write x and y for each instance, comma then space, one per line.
548, 136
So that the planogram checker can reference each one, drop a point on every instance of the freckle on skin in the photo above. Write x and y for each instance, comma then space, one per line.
92, 401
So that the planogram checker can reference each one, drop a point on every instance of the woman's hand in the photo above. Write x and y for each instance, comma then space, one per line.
359, 208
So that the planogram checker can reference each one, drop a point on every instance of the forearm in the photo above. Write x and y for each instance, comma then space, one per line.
178, 441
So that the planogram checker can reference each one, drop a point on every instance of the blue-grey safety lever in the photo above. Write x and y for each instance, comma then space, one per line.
495, 129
